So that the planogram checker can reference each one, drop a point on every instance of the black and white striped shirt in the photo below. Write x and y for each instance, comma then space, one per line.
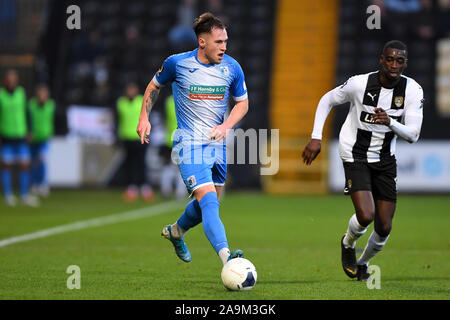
360, 138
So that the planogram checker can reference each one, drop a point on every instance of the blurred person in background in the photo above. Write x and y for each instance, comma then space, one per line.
169, 173
13, 133
407, 19
181, 36
128, 110
41, 109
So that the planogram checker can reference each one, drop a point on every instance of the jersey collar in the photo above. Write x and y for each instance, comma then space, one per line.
203, 64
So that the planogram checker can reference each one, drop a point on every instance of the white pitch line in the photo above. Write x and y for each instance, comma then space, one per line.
101, 221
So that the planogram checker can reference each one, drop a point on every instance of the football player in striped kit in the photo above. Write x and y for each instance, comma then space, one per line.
384, 105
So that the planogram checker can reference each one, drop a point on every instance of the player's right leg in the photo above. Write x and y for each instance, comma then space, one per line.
358, 185
7, 156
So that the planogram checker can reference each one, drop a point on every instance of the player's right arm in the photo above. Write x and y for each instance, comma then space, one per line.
164, 75
334, 97
150, 97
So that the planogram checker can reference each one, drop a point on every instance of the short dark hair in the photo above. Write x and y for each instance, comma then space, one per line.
395, 44
206, 22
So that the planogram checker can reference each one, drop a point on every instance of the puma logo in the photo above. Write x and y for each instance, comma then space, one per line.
371, 96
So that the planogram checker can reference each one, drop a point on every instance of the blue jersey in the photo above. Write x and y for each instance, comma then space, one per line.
201, 91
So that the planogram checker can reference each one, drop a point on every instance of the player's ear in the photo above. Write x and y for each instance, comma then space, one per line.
201, 42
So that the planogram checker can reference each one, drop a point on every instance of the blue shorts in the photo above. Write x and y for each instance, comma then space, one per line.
12, 151
201, 165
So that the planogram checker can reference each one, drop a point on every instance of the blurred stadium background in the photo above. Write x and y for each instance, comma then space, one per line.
291, 51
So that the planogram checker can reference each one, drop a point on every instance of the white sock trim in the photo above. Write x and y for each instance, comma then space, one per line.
223, 254
374, 245
354, 232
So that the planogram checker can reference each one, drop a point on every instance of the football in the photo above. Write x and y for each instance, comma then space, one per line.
239, 274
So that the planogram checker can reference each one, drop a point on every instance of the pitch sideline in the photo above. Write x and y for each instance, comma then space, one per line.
154, 210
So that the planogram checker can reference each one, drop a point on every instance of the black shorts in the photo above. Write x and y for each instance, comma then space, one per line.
378, 177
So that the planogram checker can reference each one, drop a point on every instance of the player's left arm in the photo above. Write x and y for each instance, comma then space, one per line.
238, 112
413, 116
238, 91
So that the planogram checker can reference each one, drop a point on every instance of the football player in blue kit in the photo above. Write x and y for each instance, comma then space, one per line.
202, 81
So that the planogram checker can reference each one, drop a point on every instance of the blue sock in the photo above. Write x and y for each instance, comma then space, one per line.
6, 182
191, 217
212, 225
24, 178
43, 174
34, 174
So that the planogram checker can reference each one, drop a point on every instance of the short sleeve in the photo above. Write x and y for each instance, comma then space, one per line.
166, 73
238, 88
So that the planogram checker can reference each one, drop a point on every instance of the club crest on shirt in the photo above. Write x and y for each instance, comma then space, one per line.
224, 71
398, 101
191, 181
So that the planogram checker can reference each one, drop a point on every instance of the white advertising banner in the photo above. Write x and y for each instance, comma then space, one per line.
421, 167
91, 124
65, 162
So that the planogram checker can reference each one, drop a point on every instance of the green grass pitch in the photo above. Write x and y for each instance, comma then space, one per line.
294, 242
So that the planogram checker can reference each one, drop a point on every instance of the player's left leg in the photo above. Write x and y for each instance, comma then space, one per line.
385, 195
44, 189
35, 163
23, 153
224, 254
191, 216
382, 227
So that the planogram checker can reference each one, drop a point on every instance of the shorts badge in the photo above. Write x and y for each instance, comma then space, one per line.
191, 181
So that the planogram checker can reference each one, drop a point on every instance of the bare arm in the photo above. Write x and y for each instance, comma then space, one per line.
150, 97
238, 112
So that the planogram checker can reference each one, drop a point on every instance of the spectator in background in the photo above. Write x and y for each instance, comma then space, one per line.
13, 132
406, 19
41, 109
8, 21
128, 110
170, 175
217, 7
444, 19
181, 36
